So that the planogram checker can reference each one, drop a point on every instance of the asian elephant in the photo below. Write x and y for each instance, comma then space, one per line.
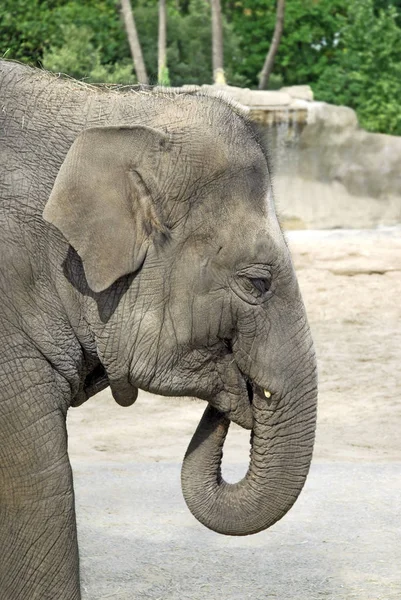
140, 249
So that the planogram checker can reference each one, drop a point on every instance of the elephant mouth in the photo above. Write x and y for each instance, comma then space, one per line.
258, 390
242, 408
249, 389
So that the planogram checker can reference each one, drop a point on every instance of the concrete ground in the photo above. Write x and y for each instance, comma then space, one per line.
342, 538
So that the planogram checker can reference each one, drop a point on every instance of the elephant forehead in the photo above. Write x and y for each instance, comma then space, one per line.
234, 190
207, 162
251, 231
257, 245
210, 137
238, 240
234, 204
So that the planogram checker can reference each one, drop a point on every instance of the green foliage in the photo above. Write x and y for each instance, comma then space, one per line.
308, 42
79, 58
366, 70
189, 53
35, 31
349, 51
29, 27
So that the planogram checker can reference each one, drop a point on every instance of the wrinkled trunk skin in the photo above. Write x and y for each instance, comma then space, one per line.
281, 450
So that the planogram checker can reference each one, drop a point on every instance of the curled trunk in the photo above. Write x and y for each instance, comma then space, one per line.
281, 451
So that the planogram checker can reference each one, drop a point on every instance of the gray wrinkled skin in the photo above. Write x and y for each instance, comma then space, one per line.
140, 249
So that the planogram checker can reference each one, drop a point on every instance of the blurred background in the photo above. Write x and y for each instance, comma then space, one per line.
296, 64
348, 51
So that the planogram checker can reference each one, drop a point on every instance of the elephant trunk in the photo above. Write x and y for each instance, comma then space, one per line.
281, 451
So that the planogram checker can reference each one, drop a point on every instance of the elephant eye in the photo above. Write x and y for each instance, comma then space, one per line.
252, 284
262, 284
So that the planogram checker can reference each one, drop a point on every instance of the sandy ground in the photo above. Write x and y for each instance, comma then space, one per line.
351, 283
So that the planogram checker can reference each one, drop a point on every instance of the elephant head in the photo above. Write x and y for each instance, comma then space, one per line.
189, 289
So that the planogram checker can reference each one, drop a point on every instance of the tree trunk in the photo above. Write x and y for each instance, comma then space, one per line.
269, 61
217, 43
133, 41
162, 66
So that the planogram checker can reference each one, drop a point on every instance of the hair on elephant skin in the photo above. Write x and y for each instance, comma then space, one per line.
140, 250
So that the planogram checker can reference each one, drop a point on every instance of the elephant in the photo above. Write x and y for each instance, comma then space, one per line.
140, 249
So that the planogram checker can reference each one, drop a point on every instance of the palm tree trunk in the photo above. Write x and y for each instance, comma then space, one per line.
133, 41
162, 66
269, 61
217, 43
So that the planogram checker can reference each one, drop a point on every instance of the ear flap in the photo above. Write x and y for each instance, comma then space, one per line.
103, 199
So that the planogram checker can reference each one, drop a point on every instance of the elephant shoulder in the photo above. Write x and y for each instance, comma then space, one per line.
18, 254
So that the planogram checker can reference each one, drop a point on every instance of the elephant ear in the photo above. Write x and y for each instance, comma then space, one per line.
103, 199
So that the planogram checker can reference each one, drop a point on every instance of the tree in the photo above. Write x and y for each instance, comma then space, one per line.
37, 30
217, 42
278, 30
134, 43
162, 72
308, 45
189, 48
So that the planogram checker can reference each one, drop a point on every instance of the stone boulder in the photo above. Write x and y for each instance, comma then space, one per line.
336, 174
299, 92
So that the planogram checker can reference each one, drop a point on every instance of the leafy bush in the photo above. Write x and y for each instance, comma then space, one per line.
29, 27
366, 71
78, 57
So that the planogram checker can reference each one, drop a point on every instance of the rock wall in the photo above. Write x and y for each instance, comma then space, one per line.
327, 171
334, 174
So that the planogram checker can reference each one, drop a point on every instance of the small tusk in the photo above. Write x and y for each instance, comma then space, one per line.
267, 394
